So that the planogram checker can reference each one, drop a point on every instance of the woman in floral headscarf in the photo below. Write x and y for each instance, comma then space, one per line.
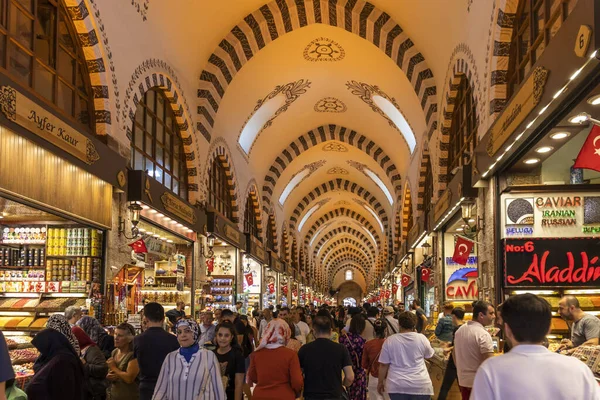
191, 372
274, 368
59, 322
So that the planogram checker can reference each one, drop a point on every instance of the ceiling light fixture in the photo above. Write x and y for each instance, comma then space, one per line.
532, 161
579, 118
560, 135
594, 100
544, 149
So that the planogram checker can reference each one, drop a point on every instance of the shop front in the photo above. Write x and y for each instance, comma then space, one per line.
419, 270
284, 286
272, 288
254, 264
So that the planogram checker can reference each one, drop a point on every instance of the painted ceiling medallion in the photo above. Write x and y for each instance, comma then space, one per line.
324, 49
338, 170
330, 104
335, 146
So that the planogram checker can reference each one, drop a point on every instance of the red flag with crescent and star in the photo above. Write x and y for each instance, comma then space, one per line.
462, 249
271, 287
284, 289
210, 264
139, 246
425, 273
405, 280
249, 278
394, 288
589, 155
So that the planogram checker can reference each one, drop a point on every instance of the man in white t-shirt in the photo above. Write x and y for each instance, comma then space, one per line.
301, 325
473, 345
402, 369
529, 370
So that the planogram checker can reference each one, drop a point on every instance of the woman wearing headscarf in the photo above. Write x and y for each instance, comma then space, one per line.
191, 372
58, 322
91, 326
274, 368
58, 371
94, 366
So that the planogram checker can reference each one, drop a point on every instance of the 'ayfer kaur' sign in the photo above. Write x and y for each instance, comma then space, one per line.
552, 262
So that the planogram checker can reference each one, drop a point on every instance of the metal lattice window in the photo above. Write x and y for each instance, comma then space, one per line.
219, 195
157, 147
41, 50
250, 219
463, 130
535, 24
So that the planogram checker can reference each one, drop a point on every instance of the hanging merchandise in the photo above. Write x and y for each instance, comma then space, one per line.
425, 274
139, 246
405, 280
394, 288
587, 157
462, 250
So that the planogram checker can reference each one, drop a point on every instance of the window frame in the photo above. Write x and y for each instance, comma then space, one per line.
463, 128
346, 275
219, 196
251, 219
271, 233
147, 130
427, 192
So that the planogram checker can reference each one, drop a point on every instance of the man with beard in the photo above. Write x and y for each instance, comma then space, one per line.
585, 328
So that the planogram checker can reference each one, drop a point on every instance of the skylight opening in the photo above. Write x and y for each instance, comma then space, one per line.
257, 121
398, 119
307, 216
369, 209
381, 185
326, 255
317, 233
323, 246
349, 275
292, 184
370, 235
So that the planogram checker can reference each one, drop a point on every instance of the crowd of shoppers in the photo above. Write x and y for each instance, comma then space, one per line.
358, 353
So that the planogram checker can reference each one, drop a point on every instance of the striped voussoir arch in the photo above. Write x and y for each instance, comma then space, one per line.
272, 226
397, 231
321, 135
500, 54
460, 71
340, 213
422, 177
407, 212
96, 64
339, 243
348, 265
252, 193
343, 258
285, 244
339, 184
340, 231
279, 17
222, 156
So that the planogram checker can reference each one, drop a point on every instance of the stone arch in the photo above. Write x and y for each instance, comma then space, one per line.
97, 54
339, 184
462, 68
341, 258
341, 230
279, 17
320, 135
346, 242
284, 253
252, 192
222, 155
422, 177
340, 212
407, 212
272, 225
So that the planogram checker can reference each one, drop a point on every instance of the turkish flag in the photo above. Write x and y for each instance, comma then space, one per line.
425, 272
284, 289
462, 249
271, 287
387, 293
210, 264
394, 288
295, 292
139, 246
589, 155
249, 278
405, 280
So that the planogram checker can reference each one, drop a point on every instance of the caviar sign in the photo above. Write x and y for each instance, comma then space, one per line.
547, 262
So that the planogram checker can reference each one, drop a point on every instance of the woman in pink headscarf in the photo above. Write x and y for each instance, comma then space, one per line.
274, 368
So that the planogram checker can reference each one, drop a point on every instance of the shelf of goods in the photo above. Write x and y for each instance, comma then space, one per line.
221, 291
22, 356
30, 314
165, 296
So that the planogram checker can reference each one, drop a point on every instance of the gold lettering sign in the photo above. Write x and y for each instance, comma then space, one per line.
517, 110
442, 205
232, 234
19, 109
174, 205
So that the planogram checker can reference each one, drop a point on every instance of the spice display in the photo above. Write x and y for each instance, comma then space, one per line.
22, 356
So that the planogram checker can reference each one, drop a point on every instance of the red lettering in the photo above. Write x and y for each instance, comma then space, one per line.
529, 247
533, 271
537, 270
461, 292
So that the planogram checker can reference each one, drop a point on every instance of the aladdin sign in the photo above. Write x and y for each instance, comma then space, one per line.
546, 262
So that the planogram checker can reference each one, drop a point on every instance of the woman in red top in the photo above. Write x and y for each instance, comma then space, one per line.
370, 356
274, 368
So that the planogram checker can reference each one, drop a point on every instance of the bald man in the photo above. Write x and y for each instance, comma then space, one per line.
585, 328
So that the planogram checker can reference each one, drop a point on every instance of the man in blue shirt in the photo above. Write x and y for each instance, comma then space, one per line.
444, 327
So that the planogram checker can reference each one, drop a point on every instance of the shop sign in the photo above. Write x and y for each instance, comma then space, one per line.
526, 99
177, 207
21, 110
442, 205
254, 248
461, 281
550, 262
582, 42
551, 214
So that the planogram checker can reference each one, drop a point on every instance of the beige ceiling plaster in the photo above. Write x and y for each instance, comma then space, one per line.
282, 61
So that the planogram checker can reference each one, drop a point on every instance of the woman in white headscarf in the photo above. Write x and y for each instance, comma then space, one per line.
274, 368
191, 372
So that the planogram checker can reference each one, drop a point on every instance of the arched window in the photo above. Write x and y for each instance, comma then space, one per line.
271, 233
219, 195
463, 130
157, 147
349, 275
535, 24
250, 219
41, 50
